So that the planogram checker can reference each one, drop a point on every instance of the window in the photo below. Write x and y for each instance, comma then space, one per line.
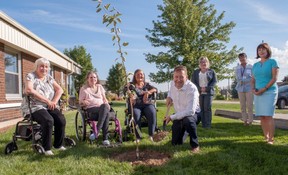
71, 86
12, 75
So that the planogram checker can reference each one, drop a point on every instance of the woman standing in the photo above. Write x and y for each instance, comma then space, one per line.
205, 79
243, 75
265, 90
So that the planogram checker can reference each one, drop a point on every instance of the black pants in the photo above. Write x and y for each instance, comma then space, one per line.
178, 128
101, 115
47, 119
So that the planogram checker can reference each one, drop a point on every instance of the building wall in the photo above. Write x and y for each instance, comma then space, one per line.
27, 64
2, 73
27, 47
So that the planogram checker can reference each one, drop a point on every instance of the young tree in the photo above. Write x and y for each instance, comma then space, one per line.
80, 56
116, 79
187, 30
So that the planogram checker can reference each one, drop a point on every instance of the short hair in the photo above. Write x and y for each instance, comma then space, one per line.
40, 61
134, 81
264, 46
242, 55
180, 68
88, 74
204, 59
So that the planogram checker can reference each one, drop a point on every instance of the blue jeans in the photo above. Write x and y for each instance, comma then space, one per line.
206, 112
150, 113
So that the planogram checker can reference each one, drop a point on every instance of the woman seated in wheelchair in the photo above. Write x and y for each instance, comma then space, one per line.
140, 99
92, 98
44, 95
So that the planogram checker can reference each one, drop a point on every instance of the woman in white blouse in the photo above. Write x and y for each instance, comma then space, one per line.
205, 79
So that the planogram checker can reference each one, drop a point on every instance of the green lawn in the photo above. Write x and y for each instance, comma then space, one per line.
227, 148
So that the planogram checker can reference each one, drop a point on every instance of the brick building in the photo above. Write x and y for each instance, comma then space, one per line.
19, 48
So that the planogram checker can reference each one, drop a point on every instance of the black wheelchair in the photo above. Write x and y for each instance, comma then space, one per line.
29, 130
85, 127
129, 131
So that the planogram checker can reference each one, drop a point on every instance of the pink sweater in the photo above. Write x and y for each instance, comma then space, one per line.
95, 99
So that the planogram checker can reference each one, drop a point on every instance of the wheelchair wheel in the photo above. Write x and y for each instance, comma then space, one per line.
80, 126
10, 147
69, 142
38, 148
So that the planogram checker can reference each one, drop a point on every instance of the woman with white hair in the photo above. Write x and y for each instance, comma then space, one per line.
44, 95
205, 79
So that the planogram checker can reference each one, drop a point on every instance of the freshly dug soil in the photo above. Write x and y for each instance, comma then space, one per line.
160, 136
146, 158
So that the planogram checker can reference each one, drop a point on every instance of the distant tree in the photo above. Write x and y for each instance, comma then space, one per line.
80, 56
116, 79
187, 30
234, 93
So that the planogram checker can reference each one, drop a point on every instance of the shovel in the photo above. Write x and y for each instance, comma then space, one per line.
164, 122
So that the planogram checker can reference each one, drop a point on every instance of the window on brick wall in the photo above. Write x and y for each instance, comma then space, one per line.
71, 85
13, 85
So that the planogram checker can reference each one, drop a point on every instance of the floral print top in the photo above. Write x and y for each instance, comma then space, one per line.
44, 87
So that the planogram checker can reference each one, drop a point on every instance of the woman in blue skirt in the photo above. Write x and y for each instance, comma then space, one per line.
265, 90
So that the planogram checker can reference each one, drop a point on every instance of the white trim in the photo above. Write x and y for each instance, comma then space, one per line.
10, 105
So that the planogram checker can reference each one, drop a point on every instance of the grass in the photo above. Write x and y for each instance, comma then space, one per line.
227, 148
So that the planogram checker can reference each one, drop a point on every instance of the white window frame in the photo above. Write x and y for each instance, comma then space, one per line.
19, 95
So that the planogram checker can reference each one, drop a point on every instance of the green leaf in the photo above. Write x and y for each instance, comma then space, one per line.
107, 6
125, 44
98, 10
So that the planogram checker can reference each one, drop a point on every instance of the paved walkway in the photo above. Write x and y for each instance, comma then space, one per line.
281, 120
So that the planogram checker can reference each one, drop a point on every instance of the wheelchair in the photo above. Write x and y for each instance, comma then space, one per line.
128, 132
86, 128
29, 130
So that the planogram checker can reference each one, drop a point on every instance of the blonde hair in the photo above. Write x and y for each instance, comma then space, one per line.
204, 59
87, 77
41, 61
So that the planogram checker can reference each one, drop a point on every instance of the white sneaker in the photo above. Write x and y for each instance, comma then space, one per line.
48, 153
151, 138
62, 148
106, 142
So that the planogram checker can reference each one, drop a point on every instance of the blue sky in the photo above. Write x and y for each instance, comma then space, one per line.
65, 24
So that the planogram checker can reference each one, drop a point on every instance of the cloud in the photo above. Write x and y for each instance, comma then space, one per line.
267, 13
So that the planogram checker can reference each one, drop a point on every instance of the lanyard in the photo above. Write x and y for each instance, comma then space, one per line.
243, 71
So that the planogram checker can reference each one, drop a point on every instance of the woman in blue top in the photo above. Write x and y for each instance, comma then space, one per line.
243, 74
265, 90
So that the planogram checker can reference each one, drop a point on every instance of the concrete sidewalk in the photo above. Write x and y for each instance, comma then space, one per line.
8, 124
281, 120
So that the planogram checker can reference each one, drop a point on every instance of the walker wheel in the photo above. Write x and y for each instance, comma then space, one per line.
10, 147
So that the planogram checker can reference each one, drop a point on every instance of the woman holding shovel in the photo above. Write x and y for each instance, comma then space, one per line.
141, 101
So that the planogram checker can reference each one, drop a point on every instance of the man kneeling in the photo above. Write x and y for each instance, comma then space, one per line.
184, 96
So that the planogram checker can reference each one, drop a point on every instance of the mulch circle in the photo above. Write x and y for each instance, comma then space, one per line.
146, 157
